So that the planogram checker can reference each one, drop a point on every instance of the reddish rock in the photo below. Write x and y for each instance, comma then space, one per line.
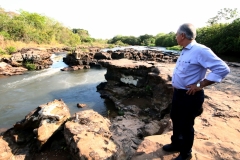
5, 151
8, 70
88, 136
216, 130
81, 105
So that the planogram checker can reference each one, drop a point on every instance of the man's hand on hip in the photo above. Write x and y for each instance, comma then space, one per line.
193, 89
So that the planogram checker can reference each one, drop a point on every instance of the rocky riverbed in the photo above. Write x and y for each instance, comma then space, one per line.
141, 91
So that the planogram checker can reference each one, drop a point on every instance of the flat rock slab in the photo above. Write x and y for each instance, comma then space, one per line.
125, 63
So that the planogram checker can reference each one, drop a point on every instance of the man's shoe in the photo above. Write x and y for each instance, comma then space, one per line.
170, 148
181, 157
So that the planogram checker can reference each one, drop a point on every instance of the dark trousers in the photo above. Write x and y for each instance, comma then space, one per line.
185, 108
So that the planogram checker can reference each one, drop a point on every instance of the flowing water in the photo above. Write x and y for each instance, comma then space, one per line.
21, 94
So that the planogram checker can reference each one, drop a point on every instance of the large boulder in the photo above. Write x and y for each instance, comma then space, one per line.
88, 136
6, 152
39, 57
102, 55
45, 120
127, 71
28, 136
128, 79
8, 70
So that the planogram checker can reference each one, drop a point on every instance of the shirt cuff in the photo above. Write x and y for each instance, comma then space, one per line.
214, 77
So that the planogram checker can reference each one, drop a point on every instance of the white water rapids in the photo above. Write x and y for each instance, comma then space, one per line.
21, 94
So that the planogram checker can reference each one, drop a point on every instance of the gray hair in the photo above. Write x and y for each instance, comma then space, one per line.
189, 30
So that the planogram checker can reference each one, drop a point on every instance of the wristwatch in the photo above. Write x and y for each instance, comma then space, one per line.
198, 84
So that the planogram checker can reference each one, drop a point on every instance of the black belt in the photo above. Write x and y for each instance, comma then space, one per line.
180, 90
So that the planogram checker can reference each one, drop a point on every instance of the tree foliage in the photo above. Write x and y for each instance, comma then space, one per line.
84, 35
160, 39
222, 38
166, 40
33, 27
225, 13
122, 40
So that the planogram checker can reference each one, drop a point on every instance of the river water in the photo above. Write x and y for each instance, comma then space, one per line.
21, 94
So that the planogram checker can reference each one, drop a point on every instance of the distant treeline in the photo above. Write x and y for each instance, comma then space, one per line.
221, 38
32, 27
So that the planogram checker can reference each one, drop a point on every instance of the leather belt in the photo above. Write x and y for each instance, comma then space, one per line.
180, 90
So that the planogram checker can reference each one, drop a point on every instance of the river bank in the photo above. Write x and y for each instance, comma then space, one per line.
144, 128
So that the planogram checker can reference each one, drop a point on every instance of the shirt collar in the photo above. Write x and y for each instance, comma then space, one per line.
189, 46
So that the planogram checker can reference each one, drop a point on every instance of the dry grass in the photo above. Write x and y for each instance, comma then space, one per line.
19, 45
94, 44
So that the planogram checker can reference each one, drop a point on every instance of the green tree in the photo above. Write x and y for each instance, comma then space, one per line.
159, 35
84, 35
225, 13
115, 39
33, 19
146, 40
4, 20
16, 29
37, 28
166, 40
130, 40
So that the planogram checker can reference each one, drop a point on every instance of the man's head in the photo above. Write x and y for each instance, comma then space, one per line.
185, 34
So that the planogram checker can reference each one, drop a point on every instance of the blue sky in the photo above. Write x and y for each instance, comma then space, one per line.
108, 18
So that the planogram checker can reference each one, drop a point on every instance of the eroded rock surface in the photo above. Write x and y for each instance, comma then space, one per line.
216, 130
8, 70
37, 56
141, 91
29, 135
16, 64
6, 152
129, 80
88, 136
79, 59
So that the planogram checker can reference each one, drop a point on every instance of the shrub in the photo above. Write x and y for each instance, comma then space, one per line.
4, 36
111, 46
151, 45
176, 48
30, 66
120, 43
10, 49
2, 52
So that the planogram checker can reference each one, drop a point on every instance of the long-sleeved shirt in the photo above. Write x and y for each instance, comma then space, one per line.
193, 63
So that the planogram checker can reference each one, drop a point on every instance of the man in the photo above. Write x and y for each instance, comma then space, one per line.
188, 80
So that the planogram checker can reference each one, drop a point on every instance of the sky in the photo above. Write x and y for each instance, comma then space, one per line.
108, 18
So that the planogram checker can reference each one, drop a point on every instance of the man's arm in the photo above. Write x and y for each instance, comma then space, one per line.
193, 88
205, 83
218, 68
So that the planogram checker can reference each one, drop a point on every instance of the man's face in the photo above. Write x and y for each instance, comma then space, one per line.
179, 37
